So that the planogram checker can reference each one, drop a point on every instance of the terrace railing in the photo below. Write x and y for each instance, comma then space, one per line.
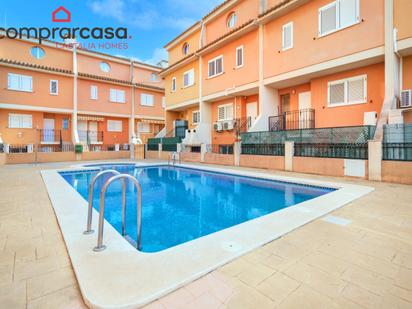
397, 151
50, 136
263, 149
330, 150
397, 142
220, 148
293, 120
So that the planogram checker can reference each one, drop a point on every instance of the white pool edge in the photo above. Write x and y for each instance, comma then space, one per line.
122, 277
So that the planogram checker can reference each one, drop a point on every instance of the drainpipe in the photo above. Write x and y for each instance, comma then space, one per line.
75, 134
132, 136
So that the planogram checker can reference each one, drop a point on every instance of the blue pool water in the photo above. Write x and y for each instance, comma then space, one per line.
181, 204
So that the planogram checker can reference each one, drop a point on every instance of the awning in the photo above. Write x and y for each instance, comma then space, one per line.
90, 118
152, 121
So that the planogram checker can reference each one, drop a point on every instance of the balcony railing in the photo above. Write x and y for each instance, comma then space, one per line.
50, 136
220, 148
293, 120
91, 137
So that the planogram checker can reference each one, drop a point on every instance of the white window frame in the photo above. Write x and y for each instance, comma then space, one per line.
57, 86
94, 92
163, 102
174, 84
346, 93
113, 126
237, 57
20, 121
338, 17
215, 61
284, 48
20, 82
190, 83
196, 112
120, 96
225, 106
154, 77
143, 99
144, 131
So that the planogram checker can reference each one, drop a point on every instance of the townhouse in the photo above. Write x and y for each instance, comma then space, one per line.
54, 96
271, 65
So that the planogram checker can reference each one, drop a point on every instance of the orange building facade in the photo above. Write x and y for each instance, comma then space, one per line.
54, 98
280, 65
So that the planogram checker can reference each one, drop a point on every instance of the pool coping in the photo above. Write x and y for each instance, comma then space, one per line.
122, 277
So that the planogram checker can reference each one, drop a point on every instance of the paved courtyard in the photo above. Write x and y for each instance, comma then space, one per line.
364, 264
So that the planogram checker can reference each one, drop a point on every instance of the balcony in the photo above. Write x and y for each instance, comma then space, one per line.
91, 137
293, 120
50, 137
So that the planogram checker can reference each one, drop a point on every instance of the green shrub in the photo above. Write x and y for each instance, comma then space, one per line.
78, 148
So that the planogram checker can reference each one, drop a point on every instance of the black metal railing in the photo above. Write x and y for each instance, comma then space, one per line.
397, 151
293, 120
153, 147
50, 136
220, 148
328, 150
263, 149
109, 147
19, 148
91, 137
64, 147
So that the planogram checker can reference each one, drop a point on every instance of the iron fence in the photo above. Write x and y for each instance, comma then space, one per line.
263, 149
50, 136
336, 135
91, 137
397, 133
19, 148
293, 120
169, 147
397, 151
220, 148
65, 147
331, 150
153, 147
109, 147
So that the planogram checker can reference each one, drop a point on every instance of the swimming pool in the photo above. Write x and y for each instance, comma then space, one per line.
182, 204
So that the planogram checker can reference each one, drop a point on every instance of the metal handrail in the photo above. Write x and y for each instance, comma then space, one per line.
90, 206
100, 246
172, 157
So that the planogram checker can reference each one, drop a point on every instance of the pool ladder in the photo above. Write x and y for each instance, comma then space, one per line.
173, 157
116, 176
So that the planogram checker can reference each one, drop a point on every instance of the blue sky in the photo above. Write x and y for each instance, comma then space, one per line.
151, 23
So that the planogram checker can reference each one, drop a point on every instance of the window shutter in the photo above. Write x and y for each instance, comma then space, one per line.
229, 112
13, 81
93, 92
120, 96
287, 36
185, 79
239, 57
164, 102
348, 12
26, 83
328, 18
112, 95
219, 65
211, 68
54, 87
27, 121
337, 93
191, 77
14, 121
221, 115
114, 126
356, 90
150, 100
174, 84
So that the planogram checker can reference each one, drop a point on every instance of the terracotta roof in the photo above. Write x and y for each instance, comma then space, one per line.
108, 79
182, 34
227, 34
274, 8
34, 66
216, 8
142, 85
177, 63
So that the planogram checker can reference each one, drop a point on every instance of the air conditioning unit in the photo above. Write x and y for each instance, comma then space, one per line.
217, 126
406, 98
229, 125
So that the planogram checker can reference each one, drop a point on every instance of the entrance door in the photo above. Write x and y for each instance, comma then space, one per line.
286, 121
48, 130
305, 103
82, 130
251, 113
93, 132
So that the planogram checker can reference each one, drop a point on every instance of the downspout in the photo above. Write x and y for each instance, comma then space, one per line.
132, 136
75, 133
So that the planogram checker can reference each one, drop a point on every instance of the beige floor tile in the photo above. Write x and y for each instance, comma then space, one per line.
305, 297
254, 275
68, 298
235, 267
204, 301
327, 263
26, 270
177, 299
403, 259
13, 295
404, 279
361, 296
278, 287
248, 298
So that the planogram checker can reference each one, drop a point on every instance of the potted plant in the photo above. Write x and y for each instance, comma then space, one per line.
78, 148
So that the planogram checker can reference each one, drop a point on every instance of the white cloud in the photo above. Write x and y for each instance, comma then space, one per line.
157, 55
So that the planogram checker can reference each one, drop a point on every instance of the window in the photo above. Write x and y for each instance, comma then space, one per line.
117, 96
225, 112
37, 52
348, 91
19, 82
195, 117
189, 78
20, 121
173, 84
143, 127
105, 67
153, 77
239, 57
163, 102
287, 36
65, 124
114, 126
338, 15
216, 66
54, 87
186, 49
93, 92
146, 99
231, 20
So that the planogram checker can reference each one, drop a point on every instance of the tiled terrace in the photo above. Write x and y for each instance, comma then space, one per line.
365, 264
